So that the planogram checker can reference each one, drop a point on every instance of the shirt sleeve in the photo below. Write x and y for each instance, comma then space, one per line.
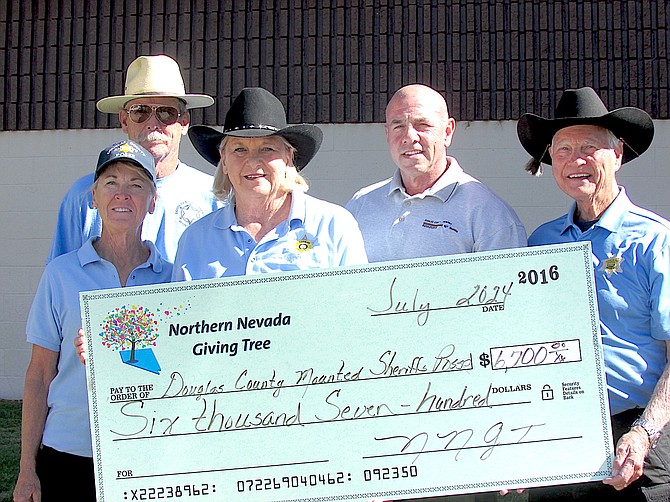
350, 244
353, 206
178, 267
43, 327
660, 294
77, 220
511, 236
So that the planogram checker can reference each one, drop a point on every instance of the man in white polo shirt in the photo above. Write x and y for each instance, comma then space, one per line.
430, 207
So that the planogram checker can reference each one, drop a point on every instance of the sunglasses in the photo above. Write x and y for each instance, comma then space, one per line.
166, 115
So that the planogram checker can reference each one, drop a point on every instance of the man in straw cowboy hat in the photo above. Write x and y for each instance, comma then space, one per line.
585, 146
154, 112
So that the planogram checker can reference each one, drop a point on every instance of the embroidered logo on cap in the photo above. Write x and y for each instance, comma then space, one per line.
125, 148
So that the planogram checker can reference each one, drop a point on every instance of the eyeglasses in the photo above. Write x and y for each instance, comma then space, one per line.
166, 115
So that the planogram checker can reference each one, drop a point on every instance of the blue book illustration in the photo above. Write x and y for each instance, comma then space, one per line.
143, 359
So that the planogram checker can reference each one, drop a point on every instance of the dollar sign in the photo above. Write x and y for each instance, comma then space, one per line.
484, 359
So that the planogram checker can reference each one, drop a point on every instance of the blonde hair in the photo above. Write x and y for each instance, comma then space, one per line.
223, 188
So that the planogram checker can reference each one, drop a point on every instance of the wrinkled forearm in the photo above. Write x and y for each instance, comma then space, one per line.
33, 418
658, 409
40, 373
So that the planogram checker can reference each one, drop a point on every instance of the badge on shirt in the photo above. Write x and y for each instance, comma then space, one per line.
612, 265
303, 245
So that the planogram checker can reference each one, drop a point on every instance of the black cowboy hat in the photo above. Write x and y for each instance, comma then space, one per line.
583, 107
256, 112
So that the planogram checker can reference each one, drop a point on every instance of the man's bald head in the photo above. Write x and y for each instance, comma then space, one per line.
422, 93
418, 132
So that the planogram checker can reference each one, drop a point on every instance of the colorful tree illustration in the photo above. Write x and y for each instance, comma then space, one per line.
129, 328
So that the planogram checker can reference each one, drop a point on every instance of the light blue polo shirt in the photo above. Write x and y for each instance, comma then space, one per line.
631, 262
317, 234
183, 197
53, 322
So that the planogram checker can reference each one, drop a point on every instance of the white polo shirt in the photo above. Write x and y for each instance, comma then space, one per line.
458, 214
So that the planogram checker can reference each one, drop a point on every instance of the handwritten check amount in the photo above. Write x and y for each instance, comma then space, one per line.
403, 379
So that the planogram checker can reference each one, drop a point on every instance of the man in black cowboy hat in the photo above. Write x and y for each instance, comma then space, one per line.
586, 145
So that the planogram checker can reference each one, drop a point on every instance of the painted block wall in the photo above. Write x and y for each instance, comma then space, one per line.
38, 167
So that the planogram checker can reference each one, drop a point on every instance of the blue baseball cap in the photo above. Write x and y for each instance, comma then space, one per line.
126, 151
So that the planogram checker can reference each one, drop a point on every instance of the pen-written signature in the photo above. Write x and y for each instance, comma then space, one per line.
459, 440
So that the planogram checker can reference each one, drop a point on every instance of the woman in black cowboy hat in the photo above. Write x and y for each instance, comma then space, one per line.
268, 224
586, 145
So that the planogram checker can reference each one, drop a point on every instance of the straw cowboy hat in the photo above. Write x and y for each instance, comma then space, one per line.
583, 107
153, 76
254, 113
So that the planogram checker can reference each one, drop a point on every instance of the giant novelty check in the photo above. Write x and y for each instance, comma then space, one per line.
403, 379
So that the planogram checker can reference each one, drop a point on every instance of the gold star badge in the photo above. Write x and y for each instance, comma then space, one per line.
612, 265
125, 148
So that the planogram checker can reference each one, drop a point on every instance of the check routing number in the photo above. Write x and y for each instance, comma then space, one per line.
403, 379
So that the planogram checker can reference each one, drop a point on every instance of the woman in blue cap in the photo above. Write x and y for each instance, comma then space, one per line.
55, 433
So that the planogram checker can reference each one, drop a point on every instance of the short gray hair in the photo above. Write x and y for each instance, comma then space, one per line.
613, 140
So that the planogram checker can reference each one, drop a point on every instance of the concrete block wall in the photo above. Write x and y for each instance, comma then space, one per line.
38, 167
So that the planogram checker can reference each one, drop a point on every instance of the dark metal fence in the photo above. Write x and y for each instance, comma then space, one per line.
333, 61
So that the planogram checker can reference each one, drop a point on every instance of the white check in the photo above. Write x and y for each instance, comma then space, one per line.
404, 379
